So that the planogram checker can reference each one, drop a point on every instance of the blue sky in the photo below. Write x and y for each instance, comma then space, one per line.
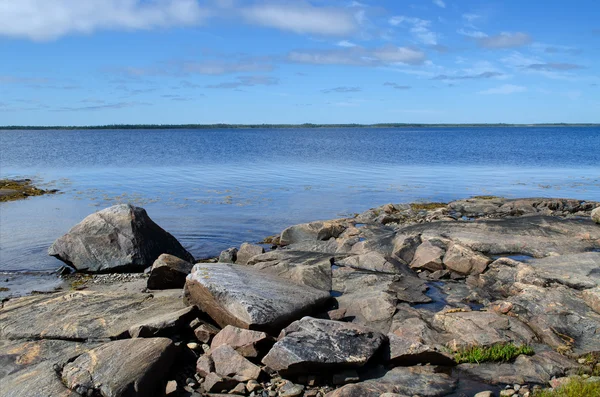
89, 62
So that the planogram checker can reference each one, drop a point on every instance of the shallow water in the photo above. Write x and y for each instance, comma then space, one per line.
214, 189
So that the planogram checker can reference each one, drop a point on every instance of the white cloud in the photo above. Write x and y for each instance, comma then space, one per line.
470, 17
504, 90
419, 28
505, 40
439, 3
302, 18
42, 20
388, 55
346, 43
476, 34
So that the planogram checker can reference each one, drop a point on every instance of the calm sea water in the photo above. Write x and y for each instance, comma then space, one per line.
214, 189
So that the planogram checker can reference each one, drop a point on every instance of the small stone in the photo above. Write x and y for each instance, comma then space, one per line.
517, 387
312, 393
582, 361
216, 383
171, 387
507, 393
193, 346
228, 256
205, 332
205, 366
205, 348
289, 389
483, 394
239, 389
252, 385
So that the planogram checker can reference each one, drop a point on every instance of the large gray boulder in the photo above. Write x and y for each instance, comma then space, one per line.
247, 298
118, 238
123, 368
311, 345
314, 231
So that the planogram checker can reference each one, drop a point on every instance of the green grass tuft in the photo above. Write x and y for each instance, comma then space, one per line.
427, 206
576, 387
497, 353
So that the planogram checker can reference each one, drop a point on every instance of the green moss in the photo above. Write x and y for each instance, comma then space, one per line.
4, 289
80, 281
487, 197
11, 190
497, 353
427, 206
576, 387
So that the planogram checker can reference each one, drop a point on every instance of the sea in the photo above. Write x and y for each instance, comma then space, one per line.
217, 188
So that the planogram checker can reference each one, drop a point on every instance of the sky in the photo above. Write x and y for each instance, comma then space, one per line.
97, 62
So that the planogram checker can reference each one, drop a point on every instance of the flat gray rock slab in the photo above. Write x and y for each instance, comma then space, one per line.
82, 315
118, 238
311, 345
537, 236
423, 381
579, 271
247, 298
123, 368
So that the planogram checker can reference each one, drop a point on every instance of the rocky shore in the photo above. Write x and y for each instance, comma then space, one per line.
17, 189
478, 297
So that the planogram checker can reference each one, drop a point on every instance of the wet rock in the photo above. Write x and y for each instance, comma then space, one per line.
247, 298
428, 256
311, 345
423, 381
464, 260
130, 367
162, 325
229, 255
168, 271
118, 238
246, 342
230, 363
596, 215
308, 268
537, 369
311, 232
248, 251
83, 315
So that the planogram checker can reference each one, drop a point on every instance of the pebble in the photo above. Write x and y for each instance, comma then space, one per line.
484, 394
517, 387
507, 393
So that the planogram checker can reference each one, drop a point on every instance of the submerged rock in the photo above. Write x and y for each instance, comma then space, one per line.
311, 345
118, 238
247, 298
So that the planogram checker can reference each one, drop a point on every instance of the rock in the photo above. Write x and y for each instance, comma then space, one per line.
229, 363
246, 298
240, 389
482, 329
162, 325
246, 342
289, 389
403, 351
535, 236
464, 260
592, 298
171, 387
228, 256
537, 369
507, 393
248, 251
205, 365
428, 256
308, 268
216, 383
405, 247
84, 315
485, 394
129, 367
423, 381
118, 238
371, 261
205, 332
311, 345
578, 271
596, 215
311, 232
336, 314
168, 271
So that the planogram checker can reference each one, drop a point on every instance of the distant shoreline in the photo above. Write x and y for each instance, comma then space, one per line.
281, 126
